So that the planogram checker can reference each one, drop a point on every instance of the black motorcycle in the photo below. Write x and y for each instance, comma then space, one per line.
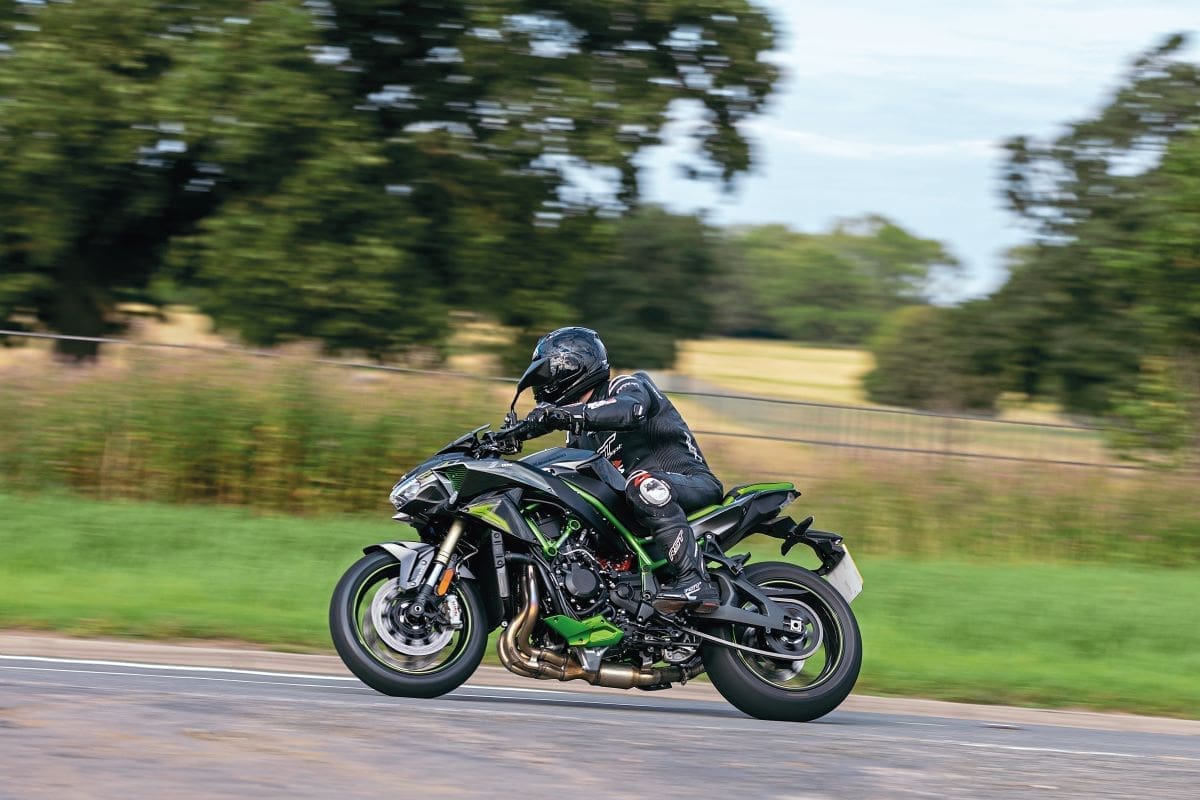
545, 548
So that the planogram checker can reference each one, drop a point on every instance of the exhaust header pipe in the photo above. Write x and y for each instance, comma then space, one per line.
518, 654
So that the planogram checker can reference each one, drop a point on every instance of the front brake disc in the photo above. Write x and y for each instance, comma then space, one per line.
399, 636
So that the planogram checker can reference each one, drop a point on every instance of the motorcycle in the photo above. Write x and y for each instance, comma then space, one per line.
544, 547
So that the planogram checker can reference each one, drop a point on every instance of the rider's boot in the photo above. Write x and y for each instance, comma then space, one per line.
692, 587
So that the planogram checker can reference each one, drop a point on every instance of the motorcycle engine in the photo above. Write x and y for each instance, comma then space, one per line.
596, 582
582, 581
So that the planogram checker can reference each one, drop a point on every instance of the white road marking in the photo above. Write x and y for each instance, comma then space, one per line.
233, 671
175, 668
358, 689
1026, 748
1055, 750
175, 677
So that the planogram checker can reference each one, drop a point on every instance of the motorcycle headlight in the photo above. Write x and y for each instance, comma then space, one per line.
406, 490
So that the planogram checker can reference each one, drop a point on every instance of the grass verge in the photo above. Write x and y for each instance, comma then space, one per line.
1096, 636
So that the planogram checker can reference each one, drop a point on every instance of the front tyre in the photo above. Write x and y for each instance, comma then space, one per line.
389, 653
799, 690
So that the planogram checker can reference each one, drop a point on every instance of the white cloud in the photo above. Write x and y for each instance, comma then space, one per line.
835, 147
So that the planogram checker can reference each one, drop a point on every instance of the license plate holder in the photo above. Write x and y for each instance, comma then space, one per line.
846, 578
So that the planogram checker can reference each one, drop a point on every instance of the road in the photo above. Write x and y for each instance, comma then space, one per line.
101, 728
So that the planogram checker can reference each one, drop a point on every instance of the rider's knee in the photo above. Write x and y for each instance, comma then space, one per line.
650, 494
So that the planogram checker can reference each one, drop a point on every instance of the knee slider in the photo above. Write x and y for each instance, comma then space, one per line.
649, 492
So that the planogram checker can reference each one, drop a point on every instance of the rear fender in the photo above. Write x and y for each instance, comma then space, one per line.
828, 546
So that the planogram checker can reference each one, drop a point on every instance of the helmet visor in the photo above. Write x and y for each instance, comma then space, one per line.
536, 375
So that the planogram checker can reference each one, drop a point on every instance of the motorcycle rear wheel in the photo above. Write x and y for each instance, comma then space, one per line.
369, 633
796, 691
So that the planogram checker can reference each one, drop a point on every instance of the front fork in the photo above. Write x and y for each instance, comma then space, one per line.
433, 585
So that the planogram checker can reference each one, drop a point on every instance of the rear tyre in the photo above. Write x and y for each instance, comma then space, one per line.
828, 649
390, 655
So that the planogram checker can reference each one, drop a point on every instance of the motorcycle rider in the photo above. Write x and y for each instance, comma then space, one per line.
633, 424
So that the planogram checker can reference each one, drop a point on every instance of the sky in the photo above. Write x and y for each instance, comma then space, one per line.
899, 109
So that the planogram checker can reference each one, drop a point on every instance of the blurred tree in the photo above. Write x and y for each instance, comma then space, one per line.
923, 361
1112, 281
443, 155
652, 289
641, 281
832, 287
1114, 274
516, 125
307, 234
898, 268
1156, 422
84, 214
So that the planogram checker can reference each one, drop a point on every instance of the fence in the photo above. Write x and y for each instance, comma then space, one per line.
856, 428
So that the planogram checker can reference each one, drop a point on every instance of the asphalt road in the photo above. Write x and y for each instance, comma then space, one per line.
96, 728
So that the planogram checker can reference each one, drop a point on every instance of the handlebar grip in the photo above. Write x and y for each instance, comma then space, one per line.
513, 432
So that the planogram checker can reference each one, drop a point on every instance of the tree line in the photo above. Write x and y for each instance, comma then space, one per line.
1101, 310
352, 171
349, 170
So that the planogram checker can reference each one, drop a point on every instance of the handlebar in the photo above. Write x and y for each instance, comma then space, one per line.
506, 440
511, 431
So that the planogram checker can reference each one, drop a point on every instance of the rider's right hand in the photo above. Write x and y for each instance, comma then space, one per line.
544, 418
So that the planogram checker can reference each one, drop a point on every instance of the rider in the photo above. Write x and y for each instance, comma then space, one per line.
634, 425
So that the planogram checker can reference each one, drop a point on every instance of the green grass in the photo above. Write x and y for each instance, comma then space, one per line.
1097, 636
140, 569
1047, 635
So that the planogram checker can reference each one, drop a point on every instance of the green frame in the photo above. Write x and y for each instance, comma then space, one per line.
635, 542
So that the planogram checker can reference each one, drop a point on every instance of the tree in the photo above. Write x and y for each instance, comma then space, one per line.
652, 288
1109, 291
516, 125
304, 237
84, 217
464, 141
923, 361
642, 281
1112, 276
832, 287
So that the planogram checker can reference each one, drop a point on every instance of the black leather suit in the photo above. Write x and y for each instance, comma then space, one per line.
636, 426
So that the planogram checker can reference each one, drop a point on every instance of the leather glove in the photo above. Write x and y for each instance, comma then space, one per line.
546, 417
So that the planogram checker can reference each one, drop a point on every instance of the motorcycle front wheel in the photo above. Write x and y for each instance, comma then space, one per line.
387, 651
827, 646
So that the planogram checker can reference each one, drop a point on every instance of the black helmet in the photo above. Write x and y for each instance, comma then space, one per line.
566, 363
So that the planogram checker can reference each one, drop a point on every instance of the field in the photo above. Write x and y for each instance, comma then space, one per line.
1051, 635
819, 384
785, 370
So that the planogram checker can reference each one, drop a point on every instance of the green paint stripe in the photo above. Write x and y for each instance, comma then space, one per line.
643, 557
695, 515
759, 487
488, 515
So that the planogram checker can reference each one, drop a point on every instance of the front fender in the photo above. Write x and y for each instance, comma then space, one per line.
415, 559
